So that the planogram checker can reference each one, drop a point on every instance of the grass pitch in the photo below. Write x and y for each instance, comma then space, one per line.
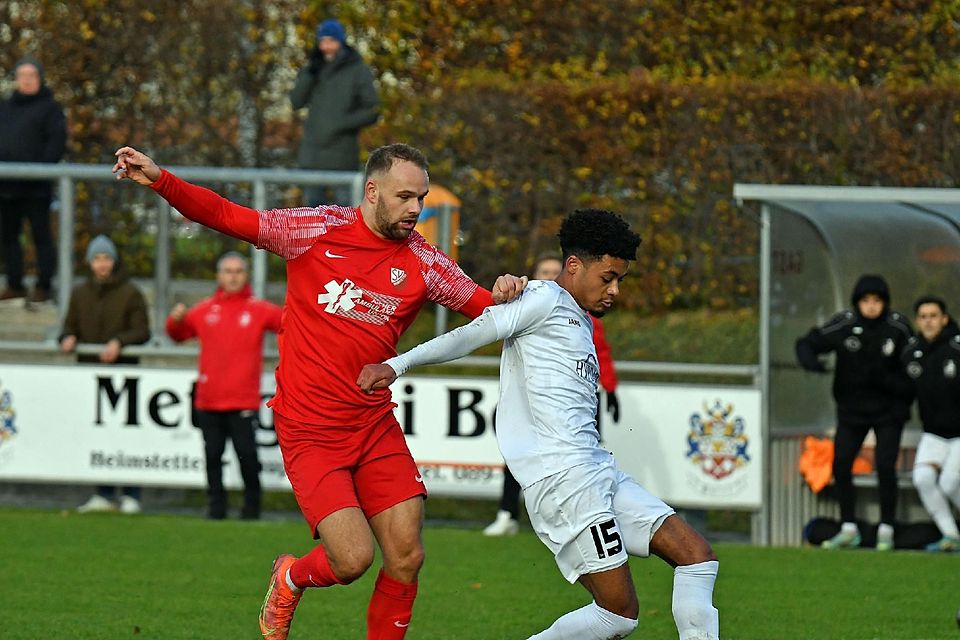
64, 575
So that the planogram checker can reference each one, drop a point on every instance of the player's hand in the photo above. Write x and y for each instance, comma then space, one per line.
68, 344
507, 287
613, 406
111, 351
376, 376
136, 166
178, 312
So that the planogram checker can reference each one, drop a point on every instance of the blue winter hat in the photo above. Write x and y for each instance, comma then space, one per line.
333, 29
101, 244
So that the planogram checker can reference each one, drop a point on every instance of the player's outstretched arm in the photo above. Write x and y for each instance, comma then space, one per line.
444, 348
136, 166
194, 202
507, 287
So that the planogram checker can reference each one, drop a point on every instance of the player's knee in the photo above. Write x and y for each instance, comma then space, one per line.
403, 559
409, 560
703, 552
613, 624
949, 482
350, 567
924, 477
622, 604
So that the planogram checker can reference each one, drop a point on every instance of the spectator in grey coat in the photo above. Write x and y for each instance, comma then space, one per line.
337, 88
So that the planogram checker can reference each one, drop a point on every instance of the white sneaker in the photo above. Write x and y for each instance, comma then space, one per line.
129, 505
504, 525
96, 503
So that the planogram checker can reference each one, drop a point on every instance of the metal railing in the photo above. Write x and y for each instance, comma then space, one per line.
747, 372
66, 175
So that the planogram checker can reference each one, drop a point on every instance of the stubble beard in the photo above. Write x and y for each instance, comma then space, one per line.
391, 230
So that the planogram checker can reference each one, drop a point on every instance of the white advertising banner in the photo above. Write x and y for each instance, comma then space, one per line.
693, 446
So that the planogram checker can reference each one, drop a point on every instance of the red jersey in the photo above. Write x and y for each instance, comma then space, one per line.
230, 328
350, 294
608, 374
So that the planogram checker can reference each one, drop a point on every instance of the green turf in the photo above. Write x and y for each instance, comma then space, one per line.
64, 575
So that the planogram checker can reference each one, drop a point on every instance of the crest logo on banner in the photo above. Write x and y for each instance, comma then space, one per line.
8, 426
717, 440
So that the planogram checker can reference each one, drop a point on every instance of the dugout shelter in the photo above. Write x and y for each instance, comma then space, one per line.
815, 243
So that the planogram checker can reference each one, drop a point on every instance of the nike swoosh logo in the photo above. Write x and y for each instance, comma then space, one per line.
400, 624
332, 255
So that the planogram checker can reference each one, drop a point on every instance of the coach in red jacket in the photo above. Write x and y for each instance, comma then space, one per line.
230, 326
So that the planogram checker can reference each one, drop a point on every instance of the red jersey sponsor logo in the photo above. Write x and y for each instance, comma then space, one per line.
347, 300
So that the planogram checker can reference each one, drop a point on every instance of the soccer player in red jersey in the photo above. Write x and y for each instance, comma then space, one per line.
356, 278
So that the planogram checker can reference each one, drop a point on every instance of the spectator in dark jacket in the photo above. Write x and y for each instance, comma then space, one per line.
932, 361
337, 88
32, 129
107, 310
230, 325
871, 391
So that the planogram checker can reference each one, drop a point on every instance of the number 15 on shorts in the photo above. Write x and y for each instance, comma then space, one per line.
606, 538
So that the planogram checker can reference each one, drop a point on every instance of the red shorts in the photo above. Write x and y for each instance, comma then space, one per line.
335, 467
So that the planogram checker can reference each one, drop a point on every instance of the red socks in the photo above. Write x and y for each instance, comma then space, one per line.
390, 608
313, 570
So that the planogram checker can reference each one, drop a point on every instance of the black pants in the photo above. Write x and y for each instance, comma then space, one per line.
847, 443
36, 209
240, 427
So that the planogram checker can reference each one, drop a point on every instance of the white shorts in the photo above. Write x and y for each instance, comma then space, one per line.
939, 452
592, 516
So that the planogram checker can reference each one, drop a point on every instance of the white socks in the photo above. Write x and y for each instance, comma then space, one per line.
588, 623
693, 609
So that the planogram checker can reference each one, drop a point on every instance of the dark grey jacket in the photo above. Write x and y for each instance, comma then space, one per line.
341, 100
32, 129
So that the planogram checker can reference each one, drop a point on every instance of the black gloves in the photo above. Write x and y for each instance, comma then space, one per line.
613, 406
314, 61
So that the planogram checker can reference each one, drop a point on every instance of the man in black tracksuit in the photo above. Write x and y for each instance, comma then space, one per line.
32, 129
871, 391
932, 361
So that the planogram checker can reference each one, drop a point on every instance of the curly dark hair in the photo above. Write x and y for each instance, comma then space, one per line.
591, 234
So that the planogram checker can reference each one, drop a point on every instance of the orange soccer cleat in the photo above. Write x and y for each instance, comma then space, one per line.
280, 602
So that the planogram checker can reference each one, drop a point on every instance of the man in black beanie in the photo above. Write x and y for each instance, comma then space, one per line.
872, 391
32, 129
336, 87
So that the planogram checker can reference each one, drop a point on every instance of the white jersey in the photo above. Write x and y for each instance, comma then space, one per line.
546, 416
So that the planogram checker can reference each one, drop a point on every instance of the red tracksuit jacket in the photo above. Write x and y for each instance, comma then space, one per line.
230, 329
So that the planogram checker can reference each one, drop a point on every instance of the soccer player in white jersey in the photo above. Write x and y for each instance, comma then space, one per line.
589, 513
